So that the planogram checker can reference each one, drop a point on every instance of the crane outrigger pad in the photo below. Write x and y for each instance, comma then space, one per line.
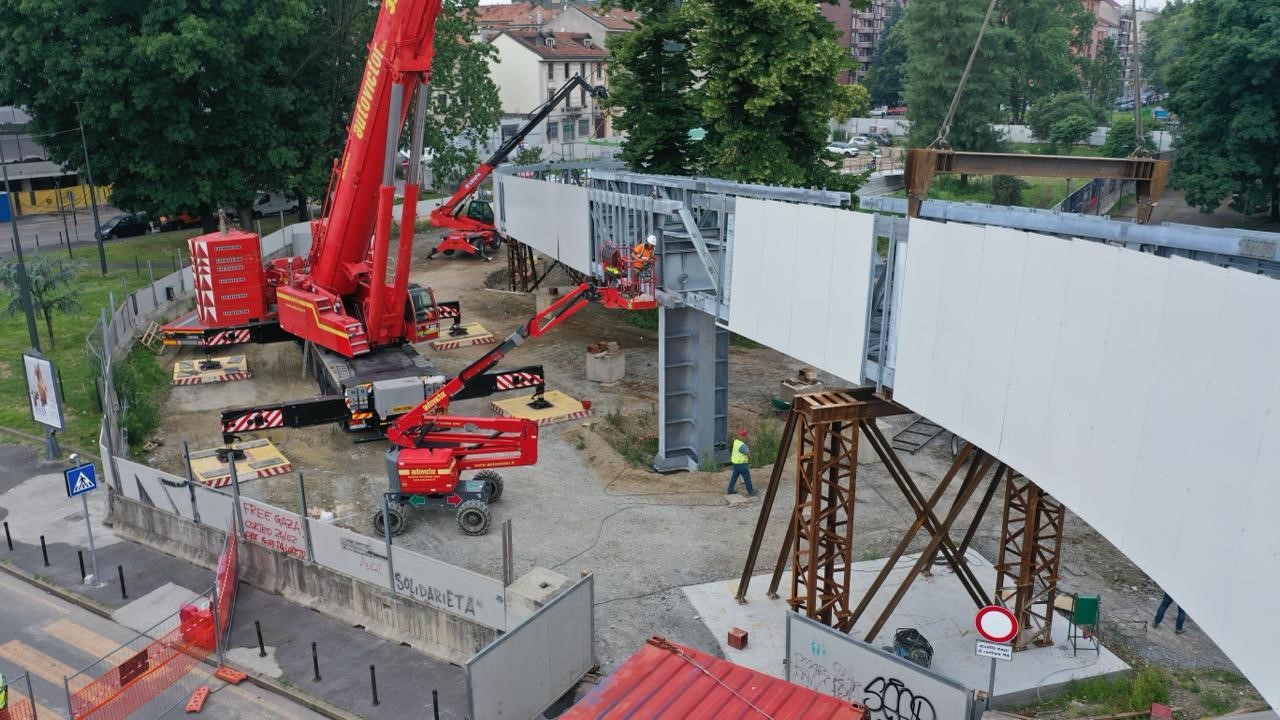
463, 336
254, 459
226, 368
552, 407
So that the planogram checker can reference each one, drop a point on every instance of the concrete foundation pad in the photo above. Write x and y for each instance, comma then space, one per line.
470, 334
226, 368
247, 658
562, 408
937, 606
143, 614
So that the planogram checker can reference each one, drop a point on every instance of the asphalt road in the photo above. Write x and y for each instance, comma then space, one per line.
49, 232
50, 638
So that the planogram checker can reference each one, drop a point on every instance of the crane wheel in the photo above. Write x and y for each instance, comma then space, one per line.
398, 523
473, 517
493, 480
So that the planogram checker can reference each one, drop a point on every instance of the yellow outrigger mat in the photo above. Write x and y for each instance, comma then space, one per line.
472, 334
212, 370
261, 459
562, 408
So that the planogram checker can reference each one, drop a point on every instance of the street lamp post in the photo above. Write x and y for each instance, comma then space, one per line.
93, 196
24, 283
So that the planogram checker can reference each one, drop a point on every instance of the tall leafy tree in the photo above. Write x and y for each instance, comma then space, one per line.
1161, 44
940, 36
1064, 119
1122, 138
464, 107
1103, 75
770, 72
650, 84
1225, 94
1038, 36
888, 65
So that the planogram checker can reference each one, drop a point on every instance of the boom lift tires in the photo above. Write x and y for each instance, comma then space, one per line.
474, 518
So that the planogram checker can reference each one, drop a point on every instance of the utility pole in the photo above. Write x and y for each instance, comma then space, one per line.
93, 196
1140, 148
24, 283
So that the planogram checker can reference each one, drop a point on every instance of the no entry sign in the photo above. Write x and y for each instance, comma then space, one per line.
996, 624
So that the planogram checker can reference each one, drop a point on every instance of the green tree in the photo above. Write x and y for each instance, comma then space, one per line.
1225, 94
53, 288
1007, 190
1038, 38
528, 155
464, 107
1103, 75
650, 85
1064, 119
940, 36
771, 84
1161, 44
1122, 138
888, 65
187, 104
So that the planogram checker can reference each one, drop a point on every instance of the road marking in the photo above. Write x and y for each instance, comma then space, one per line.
40, 665
37, 596
90, 642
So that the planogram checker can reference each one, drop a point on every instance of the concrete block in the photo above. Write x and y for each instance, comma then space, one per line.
543, 298
791, 387
531, 591
738, 638
606, 367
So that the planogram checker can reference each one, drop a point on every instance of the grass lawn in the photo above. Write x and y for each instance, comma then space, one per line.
77, 367
1040, 192
1047, 149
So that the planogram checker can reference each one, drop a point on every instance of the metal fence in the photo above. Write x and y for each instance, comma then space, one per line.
151, 673
17, 702
536, 662
1095, 197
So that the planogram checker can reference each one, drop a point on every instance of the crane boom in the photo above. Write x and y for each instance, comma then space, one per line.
449, 214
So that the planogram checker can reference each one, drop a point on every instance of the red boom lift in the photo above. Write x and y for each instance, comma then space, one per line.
473, 232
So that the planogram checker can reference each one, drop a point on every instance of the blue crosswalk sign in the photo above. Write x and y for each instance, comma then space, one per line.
81, 479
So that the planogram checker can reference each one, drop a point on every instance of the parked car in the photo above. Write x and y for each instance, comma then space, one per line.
882, 139
862, 142
126, 225
178, 221
842, 149
880, 111
898, 110
273, 203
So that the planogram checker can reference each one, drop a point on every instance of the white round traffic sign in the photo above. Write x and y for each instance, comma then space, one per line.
996, 624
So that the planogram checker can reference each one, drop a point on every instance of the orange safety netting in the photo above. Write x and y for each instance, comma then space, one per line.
19, 710
142, 677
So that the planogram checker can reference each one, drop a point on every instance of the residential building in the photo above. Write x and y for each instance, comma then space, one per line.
594, 21
531, 65
1125, 41
516, 17
38, 184
860, 31
1106, 23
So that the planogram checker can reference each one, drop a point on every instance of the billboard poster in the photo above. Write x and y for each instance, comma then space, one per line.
42, 391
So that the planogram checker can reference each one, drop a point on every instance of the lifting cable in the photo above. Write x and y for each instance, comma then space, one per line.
945, 129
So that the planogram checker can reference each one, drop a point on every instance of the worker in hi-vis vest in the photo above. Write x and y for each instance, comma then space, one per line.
4, 693
740, 457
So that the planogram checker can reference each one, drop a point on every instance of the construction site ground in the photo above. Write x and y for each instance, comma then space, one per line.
586, 507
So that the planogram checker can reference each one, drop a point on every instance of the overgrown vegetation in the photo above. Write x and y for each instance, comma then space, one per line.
643, 319
142, 387
1103, 695
632, 436
765, 438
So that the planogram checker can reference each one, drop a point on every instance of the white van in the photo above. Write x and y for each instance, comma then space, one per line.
273, 203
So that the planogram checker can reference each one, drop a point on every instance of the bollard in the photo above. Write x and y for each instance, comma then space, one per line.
315, 662
80, 555
373, 684
435, 704
262, 650
8, 540
123, 592
44, 551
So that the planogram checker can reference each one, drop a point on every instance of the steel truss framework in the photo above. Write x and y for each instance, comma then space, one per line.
1030, 557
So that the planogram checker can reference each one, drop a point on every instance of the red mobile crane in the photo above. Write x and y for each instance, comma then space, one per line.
473, 231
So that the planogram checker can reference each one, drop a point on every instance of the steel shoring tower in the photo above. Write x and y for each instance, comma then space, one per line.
1030, 556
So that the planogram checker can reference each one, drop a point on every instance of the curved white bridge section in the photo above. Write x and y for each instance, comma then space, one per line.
1141, 391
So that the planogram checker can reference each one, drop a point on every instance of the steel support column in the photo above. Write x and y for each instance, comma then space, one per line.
1030, 556
822, 521
693, 390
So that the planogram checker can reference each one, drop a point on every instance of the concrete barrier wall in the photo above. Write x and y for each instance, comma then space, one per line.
438, 633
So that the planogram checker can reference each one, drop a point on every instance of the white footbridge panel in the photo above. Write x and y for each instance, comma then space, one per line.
1140, 391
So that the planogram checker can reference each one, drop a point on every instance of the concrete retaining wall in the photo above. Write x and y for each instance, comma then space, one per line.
440, 634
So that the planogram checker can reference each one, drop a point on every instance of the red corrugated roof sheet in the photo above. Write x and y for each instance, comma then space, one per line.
667, 681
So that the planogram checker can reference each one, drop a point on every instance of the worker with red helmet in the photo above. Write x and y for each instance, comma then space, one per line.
740, 458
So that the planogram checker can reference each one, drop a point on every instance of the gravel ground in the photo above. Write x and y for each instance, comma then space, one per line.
643, 535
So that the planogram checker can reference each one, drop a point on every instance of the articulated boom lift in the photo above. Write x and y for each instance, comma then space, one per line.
472, 222
431, 448
340, 298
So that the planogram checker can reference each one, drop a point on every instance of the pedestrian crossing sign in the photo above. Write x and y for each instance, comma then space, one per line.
81, 479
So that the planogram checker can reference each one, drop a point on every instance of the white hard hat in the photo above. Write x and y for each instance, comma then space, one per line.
652, 240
